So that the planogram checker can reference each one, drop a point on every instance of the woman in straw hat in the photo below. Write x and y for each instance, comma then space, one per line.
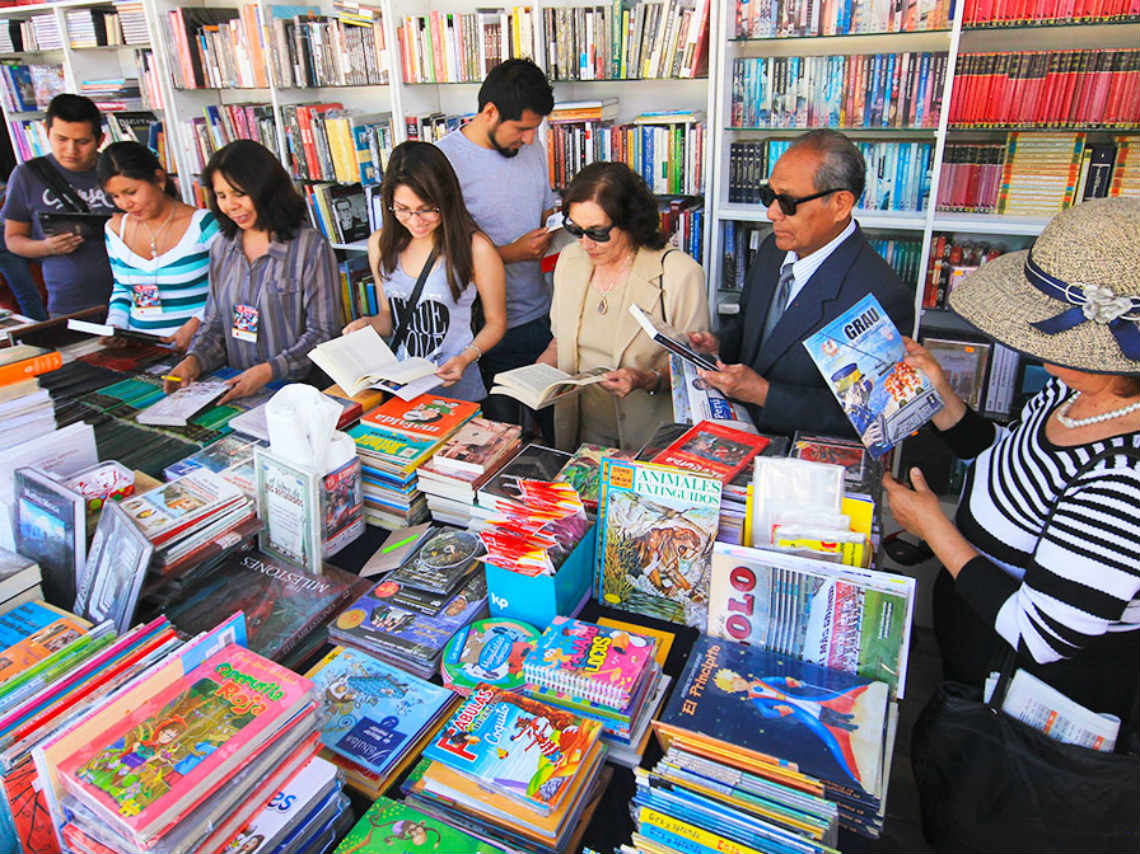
1062, 589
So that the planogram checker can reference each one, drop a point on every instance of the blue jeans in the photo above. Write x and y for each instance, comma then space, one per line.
15, 271
522, 345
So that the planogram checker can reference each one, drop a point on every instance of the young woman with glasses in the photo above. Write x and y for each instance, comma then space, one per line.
622, 258
427, 224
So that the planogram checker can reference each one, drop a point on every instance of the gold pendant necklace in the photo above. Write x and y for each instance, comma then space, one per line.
153, 236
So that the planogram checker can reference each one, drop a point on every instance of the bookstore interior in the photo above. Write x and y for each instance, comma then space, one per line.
363, 615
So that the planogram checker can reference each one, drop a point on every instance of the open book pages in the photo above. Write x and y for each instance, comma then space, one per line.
176, 409
672, 340
540, 385
360, 359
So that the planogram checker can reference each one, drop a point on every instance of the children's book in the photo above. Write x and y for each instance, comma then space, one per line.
41, 642
392, 827
169, 754
516, 746
712, 449
860, 355
656, 528
773, 709
845, 618
444, 558
584, 469
590, 661
492, 652
475, 448
287, 808
429, 416
282, 603
374, 711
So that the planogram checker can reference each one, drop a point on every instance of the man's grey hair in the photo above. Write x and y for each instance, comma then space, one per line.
841, 164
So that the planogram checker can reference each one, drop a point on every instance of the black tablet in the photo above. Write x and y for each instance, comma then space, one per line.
89, 226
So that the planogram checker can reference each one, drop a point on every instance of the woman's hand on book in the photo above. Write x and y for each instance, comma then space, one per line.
921, 359
180, 340
621, 382
452, 370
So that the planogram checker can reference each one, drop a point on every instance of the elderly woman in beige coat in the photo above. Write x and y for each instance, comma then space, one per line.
621, 259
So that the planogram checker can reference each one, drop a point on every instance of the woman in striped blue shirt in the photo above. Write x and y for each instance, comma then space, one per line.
159, 248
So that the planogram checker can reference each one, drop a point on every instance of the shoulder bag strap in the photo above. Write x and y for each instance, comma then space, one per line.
661, 284
58, 185
413, 302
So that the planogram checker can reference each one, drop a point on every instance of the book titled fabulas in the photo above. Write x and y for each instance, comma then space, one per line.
860, 355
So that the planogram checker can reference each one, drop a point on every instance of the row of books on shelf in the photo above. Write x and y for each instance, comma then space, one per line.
35, 33
325, 50
897, 176
647, 40
461, 47
28, 88
341, 212
222, 124
434, 126
29, 136
951, 260
1005, 13
864, 90
125, 24
215, 48
326, 143
1049, 88
767, 19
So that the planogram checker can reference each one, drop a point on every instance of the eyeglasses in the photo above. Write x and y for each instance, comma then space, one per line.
597, 233
788, 203
420, 213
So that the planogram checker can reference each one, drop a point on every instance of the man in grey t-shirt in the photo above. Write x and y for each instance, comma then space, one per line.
507, 190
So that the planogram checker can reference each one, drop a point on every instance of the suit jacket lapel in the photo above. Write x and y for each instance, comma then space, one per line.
643, 288
810, 306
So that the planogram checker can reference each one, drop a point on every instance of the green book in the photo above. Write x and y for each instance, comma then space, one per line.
396, 828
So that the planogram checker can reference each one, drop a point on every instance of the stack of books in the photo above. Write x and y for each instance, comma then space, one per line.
463, 465
393, 441
512, 770
132, 21
19, 581
378, 717
408, 617
26, 410
584, 469
231, 458
309, 814
607, 673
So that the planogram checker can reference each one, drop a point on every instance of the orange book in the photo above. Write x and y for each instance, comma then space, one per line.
18, 371
428, 416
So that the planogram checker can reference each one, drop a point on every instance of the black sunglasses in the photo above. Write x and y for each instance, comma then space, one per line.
788, 203
598, 234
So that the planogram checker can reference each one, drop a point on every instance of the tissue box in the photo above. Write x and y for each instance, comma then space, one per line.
540, 599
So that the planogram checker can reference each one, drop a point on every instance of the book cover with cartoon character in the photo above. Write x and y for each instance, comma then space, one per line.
395, 828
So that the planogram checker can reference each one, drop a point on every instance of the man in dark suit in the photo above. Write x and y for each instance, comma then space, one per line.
814, 266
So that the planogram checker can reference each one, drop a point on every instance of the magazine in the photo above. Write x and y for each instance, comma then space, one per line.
361, 359
849, 619
694, 400
672, 340
860, 355
656, 528
541, 385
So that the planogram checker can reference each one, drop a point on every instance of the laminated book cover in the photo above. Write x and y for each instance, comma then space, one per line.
845, 618
282, 603
860, 355
534, 462
831, 449
145, 768
713, 449
392, 827
475, 447
512, 744
164, 511
430, 416
583, 470
377, 624
656, 528
823, 723
40, 643
492, 652
444, 557
374, 711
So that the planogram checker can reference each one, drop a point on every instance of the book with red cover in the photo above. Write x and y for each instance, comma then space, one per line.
712, 449
429, 416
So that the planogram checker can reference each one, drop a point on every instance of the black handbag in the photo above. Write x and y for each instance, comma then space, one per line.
988, 782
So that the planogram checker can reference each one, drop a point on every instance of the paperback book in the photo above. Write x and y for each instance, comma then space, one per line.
176, 410
656, 528
429, 416
289, 503
393, 827
361, 359
860, 355
713, 449
583, 471
474, 448
541, 385
675, 342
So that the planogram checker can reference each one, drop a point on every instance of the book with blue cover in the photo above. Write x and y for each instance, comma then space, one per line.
375, 711
860, 355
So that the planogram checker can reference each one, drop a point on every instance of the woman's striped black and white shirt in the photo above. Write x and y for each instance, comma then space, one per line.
1055, 591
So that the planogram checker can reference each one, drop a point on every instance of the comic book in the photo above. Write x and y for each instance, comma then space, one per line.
430, 416
656, 528
444, 558
282, 604
374, 711
584, 469
853, 620
395, 828
860, 355
713, 449
597, 663
772, 709
174, 750
515, 746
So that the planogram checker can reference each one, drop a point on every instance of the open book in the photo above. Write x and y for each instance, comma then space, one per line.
361, 359
540, 385
672, 340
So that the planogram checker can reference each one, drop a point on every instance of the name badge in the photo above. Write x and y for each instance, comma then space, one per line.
146, 300
245, 323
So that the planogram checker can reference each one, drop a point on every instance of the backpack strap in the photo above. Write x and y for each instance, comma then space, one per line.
47, 173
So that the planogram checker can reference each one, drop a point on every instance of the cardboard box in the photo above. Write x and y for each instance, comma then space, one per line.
540, 599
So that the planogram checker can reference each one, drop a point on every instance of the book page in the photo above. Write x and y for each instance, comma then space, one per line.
354, 358
539, 379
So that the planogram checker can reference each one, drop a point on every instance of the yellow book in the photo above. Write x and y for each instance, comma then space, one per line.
345, 162
664, 639
695, 834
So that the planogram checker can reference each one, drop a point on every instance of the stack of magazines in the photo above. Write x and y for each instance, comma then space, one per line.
463, 464
534, 790
408, 617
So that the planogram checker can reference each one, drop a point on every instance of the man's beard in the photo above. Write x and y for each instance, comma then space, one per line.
506, 152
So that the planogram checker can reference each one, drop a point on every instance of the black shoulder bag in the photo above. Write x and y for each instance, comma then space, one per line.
413, 302
988, 782
66, 194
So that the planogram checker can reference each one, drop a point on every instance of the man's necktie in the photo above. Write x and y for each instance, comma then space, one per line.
780, 302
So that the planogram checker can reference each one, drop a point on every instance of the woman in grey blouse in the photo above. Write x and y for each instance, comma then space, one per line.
273, 293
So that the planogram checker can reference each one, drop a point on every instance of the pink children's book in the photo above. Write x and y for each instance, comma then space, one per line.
150, 767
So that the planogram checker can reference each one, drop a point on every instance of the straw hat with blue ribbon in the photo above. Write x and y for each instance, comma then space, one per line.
1073, 299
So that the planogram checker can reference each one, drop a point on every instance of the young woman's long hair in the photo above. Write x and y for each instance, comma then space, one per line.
253, 169
426, 171
135, 161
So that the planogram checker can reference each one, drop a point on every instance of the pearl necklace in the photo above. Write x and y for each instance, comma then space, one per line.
1071, 423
